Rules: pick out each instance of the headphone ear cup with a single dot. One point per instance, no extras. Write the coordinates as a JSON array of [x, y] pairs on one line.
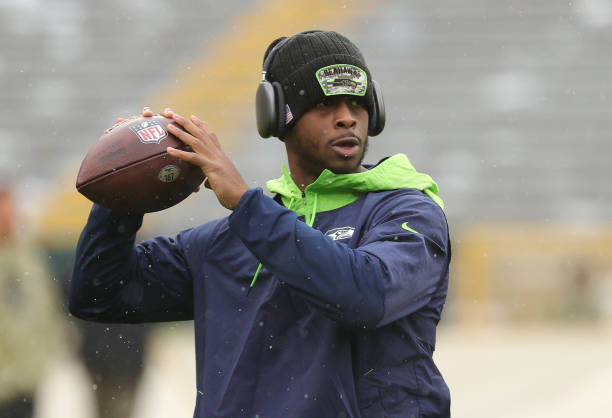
[[378, 117], [266, 110], [279, 95]]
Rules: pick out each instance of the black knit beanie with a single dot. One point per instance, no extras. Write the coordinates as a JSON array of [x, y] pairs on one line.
[[313, 65]]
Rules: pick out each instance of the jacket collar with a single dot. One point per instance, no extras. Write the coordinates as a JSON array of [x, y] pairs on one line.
[[337, 190]]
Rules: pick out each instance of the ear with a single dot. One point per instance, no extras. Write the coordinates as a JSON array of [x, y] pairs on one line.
[[266, 110], [378, 116], [281, 114]]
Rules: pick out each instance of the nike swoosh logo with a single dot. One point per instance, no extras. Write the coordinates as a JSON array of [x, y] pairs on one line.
[[407, 228]]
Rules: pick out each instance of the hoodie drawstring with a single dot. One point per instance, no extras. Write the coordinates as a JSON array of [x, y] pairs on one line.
[[309, 222], [254, 278]]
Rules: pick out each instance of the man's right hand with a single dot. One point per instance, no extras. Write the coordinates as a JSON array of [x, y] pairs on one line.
[[147, 112], [222, 176]]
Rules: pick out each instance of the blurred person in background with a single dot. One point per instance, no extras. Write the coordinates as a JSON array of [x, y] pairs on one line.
[[322, 301], [32, 326], [112, 355]]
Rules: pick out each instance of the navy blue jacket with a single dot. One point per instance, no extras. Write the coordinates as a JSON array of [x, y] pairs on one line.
[[340, 322]]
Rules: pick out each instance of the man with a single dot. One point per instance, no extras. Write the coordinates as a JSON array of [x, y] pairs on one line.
[[320, 302], [32, 329]]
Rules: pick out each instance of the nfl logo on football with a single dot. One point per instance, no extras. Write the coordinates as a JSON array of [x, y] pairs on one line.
[[149, 132]]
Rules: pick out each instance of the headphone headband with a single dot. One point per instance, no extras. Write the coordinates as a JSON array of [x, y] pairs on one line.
[[276, 47]]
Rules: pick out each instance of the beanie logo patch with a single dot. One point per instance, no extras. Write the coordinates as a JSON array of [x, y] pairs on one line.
[[342, 79]]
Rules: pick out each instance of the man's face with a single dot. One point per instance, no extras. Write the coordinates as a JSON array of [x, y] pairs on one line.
[[331, 135]]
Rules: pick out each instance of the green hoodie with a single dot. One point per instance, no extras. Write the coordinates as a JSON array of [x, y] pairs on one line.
[[331, 191]]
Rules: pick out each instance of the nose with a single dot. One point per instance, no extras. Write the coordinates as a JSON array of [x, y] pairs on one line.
[[344, 116]]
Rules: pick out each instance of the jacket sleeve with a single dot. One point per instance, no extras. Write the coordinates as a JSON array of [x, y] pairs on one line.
[[116, 281], [401, 261]]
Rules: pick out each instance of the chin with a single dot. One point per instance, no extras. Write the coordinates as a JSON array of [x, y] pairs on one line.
[[346, 167]]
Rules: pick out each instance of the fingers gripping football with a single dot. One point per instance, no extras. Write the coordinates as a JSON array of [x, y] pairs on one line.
[[223, 176]]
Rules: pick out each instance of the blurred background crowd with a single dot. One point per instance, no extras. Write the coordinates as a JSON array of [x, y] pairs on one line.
[[505, 104]]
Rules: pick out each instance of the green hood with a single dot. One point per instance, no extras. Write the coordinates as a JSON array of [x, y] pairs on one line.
[[331, 191]]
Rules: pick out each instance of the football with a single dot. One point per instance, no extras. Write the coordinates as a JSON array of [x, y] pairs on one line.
[[129, 170]]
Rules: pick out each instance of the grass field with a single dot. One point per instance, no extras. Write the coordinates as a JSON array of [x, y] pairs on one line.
[[536, 371]]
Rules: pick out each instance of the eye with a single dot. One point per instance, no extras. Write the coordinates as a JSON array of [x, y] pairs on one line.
[[325, 102], [358, 102], [352, 102]]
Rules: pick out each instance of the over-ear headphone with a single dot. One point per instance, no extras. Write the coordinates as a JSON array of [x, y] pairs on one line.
[[270, 101]]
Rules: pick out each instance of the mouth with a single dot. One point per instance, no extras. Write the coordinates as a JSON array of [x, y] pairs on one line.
[[346, 147]]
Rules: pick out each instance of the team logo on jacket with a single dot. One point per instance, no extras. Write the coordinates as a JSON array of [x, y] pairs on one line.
[[341, 233], [149, 132]]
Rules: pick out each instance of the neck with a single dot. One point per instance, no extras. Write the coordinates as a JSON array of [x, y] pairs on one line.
[[305, 171], [303, 178]]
